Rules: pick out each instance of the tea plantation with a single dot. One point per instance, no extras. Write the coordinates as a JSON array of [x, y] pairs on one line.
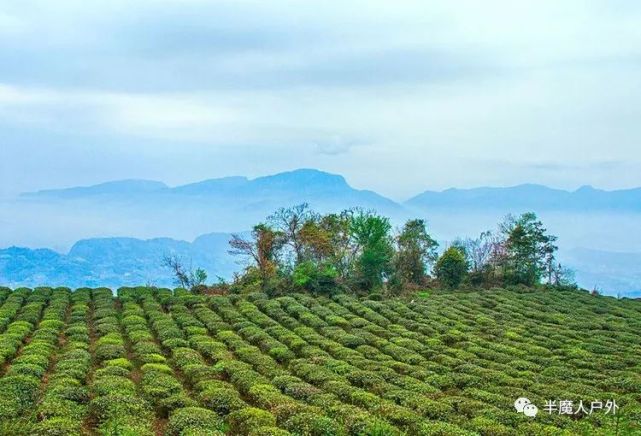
[[153, 361]]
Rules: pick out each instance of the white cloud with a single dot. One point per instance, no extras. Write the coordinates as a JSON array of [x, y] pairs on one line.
[[420, 91]]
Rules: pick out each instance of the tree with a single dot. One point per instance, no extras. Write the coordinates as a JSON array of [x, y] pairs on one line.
[[319, 278], [563, 276], [416, 251], [484, 255], [451, 268], [328, 240], [262, 249], [184, 277], [373, 245], [290, 222], [530, 250]]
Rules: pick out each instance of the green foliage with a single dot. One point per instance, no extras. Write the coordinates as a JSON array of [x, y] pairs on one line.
[[371, 234], [416, 251], [356, 251], [451, 268], [247, 419], [317, 278], [452, 363], [58, 426], [530, 250], [223, 400], [194, 420], [17, 393]]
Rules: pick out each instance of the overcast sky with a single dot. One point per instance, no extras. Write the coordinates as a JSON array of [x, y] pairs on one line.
[[398, 96]]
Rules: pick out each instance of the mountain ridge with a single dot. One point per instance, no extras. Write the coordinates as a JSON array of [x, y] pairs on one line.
[[534, 196], [295, 184]]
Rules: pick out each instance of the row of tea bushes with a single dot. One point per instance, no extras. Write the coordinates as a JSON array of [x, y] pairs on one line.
[[116, 406], [19, 388], [64, 407]]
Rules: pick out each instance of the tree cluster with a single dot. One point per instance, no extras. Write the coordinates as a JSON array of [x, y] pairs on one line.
[[354, 249], [359, 251], [520, 252]]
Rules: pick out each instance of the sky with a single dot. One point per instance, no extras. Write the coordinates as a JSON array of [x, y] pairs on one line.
[[397, 96]]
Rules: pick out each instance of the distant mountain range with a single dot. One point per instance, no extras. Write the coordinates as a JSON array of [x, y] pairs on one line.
[[158, 219], [531, 197], [331, 190], [323, 189], [115, 262]]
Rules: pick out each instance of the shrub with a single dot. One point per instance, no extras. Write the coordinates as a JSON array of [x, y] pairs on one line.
[[109, 385], [72, 369], [69, 389], [17, 393], [488, 427], [152, 358], [57, 407], [184, 356], [173, 402], [175, 343], [146, 347], [115, 371], [437, 428], [313, 424], [193, 419], [244, 420], [281, 354], [120, 362], [58, 426], [110, 351], [371, 426], [108, 406], [222, 400], [34, 359], [159, 385], [27, 369], [269, 431], [200, 371], [123, 427], [156, 367]]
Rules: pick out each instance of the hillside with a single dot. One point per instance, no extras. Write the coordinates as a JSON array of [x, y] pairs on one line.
[[446, 364]]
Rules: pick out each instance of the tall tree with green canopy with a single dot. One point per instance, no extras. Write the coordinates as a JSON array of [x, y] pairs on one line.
[[416, 251], [327, 251], [451, 268], [530, 250], [372, 241]]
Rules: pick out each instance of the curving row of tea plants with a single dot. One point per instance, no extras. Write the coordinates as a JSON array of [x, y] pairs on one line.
[[153, 361]]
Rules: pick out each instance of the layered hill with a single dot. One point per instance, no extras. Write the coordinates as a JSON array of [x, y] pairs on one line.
[[116, 262], [126, 226]]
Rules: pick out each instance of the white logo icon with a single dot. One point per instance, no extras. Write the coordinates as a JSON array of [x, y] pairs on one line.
[[525, 406], [530, 410]]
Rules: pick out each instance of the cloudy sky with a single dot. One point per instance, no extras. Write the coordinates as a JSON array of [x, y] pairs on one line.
[[397, 96]]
